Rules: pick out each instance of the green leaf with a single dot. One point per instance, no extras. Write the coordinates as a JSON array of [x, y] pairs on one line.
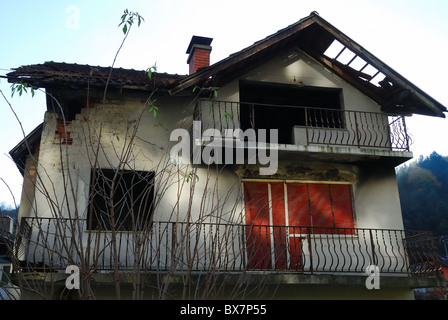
[[125, 28], [21, 88], [150, 70], [191, 175], [154, 109]]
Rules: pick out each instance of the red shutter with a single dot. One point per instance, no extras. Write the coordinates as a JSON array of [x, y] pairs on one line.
[[299, 220], [342, 207], [257, 220], [322, 206], [278, 220], [298, 207], [321, 213]]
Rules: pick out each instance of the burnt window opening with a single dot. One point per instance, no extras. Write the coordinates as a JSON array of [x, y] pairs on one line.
[[122, 200], [266, 105]]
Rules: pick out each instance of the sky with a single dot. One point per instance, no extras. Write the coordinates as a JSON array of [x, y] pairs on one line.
[[411, 36]]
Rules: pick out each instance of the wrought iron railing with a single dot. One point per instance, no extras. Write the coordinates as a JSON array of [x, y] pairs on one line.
[[315, 126], [226, 247]]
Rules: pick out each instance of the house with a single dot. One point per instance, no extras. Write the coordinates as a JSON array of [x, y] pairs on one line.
[[270, 174], [7, 290]]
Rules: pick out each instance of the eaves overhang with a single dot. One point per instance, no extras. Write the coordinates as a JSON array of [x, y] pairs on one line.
[[28, 146], [61, 74]]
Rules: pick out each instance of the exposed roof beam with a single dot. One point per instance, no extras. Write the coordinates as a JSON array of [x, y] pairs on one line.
[[363, 87], [385, 69]]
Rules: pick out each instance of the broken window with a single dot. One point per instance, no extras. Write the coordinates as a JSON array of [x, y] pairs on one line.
[[122, 200], [266, 105]]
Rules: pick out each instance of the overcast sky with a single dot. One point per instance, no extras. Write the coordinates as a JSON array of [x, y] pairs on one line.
[[410, 36]]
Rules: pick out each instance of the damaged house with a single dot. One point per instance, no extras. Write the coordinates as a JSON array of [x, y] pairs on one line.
[[103, 192]]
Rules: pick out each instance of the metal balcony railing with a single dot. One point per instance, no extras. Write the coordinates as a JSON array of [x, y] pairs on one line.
[[208, 247], [313, 126]]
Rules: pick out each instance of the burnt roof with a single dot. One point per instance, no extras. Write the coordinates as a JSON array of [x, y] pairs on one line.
[[61, 73], [314, 35]]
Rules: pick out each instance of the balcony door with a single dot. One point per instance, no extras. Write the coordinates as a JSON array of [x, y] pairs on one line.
[[280, 216]]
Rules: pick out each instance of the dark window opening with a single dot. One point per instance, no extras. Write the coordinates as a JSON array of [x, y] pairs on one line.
[[266, 105], [122, 200]]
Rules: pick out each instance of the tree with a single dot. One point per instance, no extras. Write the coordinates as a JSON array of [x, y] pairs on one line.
[[119, 220], [423, 186]]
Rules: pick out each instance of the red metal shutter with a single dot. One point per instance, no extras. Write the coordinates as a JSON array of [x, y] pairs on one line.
[[257, 230], [278, 221], [298, 207], [321, 211], [342, 207], [299, 220]]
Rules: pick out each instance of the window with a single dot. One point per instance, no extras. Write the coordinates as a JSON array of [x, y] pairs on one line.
[[318, 205], [121, 200], [266, 105], [278, 214]]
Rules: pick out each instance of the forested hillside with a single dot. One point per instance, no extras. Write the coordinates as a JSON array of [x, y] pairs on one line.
[[423, 188], [6, 210]]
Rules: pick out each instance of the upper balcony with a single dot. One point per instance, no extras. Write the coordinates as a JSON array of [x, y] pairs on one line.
[[352, 135]]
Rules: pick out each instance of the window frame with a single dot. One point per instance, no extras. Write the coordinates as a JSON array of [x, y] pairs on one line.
[[312, 225], [132, 198]]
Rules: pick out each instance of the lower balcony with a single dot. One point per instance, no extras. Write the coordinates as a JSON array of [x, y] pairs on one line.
[[300, 253]]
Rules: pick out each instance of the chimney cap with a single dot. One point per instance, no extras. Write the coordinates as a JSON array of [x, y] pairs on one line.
[[197, 40]]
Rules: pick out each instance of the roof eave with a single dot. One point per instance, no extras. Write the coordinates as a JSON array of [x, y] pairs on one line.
[[26, 147], [204, 74], [427, 105]]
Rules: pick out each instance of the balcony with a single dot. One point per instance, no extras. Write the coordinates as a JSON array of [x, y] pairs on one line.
[[312, 130], [49, 245]]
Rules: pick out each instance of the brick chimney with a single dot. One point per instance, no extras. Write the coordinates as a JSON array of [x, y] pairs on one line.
[[199, 53]]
